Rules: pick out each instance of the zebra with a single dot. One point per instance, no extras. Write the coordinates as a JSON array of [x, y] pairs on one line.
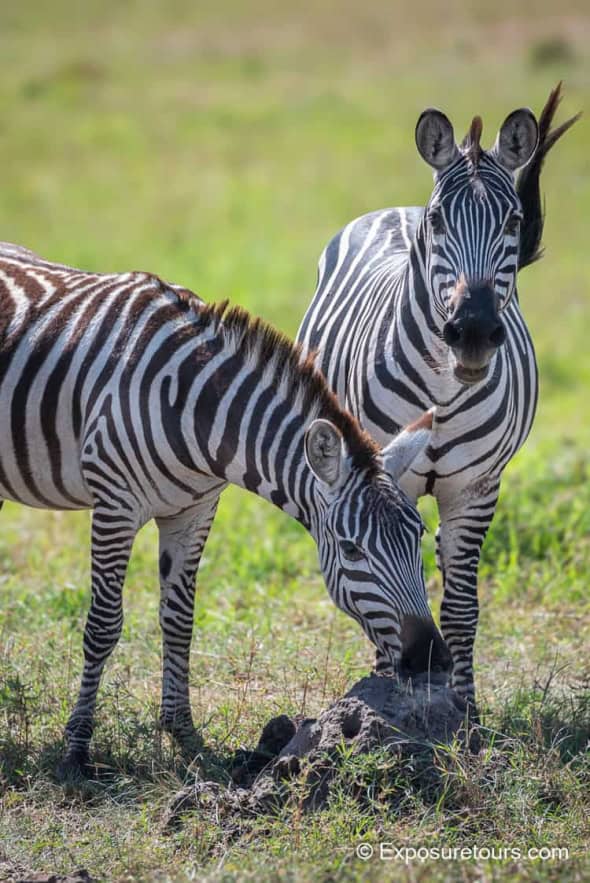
[[416, 307], [131, 397]]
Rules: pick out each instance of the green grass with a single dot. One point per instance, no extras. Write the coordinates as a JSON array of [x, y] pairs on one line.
[[221, 145]]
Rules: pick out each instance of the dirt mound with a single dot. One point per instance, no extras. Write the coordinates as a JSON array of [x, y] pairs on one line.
[[376, 713]]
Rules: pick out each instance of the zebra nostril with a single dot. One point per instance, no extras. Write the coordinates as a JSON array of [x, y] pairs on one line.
[[498, 335], [451, 334]]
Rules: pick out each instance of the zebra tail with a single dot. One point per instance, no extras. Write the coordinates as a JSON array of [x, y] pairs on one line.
[[528, 185]]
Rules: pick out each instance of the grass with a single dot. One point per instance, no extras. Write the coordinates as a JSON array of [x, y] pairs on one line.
[[221, 145]]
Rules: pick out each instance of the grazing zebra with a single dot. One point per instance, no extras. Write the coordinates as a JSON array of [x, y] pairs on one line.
[[417, 308], [125, 395]]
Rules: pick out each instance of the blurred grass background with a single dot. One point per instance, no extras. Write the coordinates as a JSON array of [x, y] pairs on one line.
[[221, 144]]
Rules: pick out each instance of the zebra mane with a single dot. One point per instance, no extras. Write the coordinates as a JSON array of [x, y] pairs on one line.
[[470, 145], [271, 347]]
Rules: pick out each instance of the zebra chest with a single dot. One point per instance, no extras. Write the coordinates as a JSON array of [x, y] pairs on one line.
[[462, 454]]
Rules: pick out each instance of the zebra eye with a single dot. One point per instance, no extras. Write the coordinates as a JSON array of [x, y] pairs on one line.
[[512, 224], [437, 222], [351, 551]]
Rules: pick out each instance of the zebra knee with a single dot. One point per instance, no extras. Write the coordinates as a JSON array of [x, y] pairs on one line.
[[460, 637], [100, 638]]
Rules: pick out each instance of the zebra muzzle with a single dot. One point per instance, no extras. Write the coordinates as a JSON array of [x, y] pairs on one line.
[[473, 331], [424, 652], [470, 376]]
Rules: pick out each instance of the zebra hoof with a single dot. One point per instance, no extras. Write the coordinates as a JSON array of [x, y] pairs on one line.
[[474, 740], [186, 737], [467, 704], [75, 766]]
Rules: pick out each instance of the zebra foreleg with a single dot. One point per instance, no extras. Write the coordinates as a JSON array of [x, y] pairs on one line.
[[464, 522], [182, 540], [113, 532]]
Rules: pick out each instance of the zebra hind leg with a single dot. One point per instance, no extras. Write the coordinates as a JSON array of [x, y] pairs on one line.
[[113, 533], [182, 539]]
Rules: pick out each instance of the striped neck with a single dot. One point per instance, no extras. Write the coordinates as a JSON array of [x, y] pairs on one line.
[[418, 286], [259, 395]]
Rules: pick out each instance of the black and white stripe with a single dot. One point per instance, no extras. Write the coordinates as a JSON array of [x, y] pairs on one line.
[[126, 395], [417, 308]]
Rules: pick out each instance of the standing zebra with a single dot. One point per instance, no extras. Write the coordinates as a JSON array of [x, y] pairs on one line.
[[418, 307], [129, 396]]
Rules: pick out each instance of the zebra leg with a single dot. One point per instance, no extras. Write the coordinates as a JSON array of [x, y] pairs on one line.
[[464, 522], [182, 539], [113, 532]]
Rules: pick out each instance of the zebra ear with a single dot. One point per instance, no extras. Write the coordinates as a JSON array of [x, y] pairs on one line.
[[399, 454], [435, 139], [517, 139], [326, 453]]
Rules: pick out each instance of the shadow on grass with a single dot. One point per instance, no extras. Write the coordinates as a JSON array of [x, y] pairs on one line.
[[113, 773]]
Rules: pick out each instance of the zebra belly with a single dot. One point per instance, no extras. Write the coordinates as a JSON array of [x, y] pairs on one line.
[[41, 475], [40, 462]]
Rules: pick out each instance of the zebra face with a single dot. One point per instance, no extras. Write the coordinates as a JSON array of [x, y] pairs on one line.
[[471, 231], [368, 536]]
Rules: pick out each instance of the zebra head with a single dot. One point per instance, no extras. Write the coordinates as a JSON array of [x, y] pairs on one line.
[[471, 233], [368, 535]]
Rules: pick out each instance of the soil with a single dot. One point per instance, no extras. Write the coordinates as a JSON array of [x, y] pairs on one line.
[[406, 720]]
